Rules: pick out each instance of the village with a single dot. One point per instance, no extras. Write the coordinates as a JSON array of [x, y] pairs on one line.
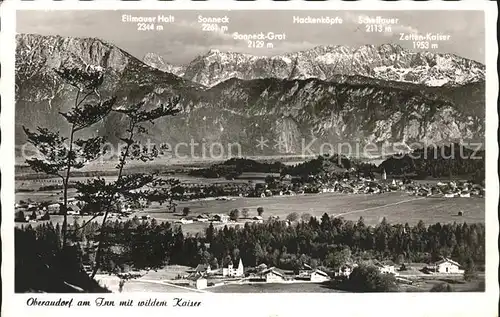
[[282, 186], [205, 278]]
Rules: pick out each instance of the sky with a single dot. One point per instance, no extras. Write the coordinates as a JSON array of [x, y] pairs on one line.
[[183, 40]]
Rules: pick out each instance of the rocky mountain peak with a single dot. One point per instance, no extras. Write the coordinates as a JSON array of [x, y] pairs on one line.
[[54, 51], [157, 61], [386, 61], [329, 92]]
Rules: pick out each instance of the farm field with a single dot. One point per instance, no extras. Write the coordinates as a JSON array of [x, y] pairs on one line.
[[140, 285], [35, 184], [395, 207]]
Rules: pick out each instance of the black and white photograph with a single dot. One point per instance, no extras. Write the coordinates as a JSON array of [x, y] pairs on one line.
[[249, 151]]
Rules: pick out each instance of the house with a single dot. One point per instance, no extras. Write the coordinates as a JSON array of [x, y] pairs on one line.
[[261, 267], [319, 276], [272, 275], [305, 271], [185, 220], [446, 265], [73, 210], [306, 266], [230, 271], [31, 206], [53, 208], [197, 281], [221, 218], [200, 282], [202, 218], [202, 269]]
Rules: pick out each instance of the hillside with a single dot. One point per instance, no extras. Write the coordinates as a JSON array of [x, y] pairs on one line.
[[40, 94], [441, 162], [289, 113]]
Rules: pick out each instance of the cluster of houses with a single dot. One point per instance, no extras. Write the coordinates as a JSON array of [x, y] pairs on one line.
[[264, 274], [287, 186], [442, 266], [447, 189], [276, 275], [384, 267], [199, 277], [35, 211], [198, 191], [369, 186], [217, 218]]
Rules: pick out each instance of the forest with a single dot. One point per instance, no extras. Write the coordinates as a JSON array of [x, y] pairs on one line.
[[234, 167], [327, 243], [438, 162]]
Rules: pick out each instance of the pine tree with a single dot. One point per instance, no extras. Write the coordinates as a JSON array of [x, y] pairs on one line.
[[210, 233], [136, 189], [57, 158]]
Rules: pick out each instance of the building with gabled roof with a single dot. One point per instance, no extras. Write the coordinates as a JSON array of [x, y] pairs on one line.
[[446, 265], [273, 275], [230, 271], [319, 276], [202, 270]]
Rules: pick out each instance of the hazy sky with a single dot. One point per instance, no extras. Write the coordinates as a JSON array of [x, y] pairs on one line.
[[181, 41]]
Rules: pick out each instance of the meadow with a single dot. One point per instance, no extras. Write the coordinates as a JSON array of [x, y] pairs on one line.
[[396, 207]]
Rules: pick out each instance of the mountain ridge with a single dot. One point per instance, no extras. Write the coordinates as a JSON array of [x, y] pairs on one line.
[[386, 61], [341, 109]]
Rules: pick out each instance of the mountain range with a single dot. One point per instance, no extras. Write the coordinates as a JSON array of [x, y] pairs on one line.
[[386, 62], [236, 98]]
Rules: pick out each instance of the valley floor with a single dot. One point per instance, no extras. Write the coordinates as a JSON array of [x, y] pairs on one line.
[[395, 207]]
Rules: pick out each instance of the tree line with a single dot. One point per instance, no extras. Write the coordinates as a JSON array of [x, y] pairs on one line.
[[327, 242], [438, 162], [234, 167]]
